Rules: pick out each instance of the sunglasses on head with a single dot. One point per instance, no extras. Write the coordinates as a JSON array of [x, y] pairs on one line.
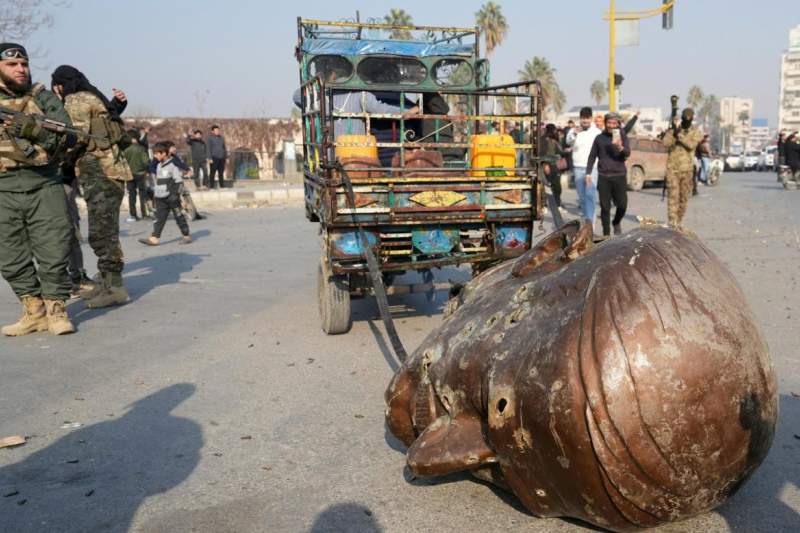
[[13, 53]]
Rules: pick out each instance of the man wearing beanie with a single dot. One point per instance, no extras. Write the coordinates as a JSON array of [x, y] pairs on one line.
[[35, 227]]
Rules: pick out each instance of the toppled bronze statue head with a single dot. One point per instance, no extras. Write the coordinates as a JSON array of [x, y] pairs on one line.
[[624, 384]]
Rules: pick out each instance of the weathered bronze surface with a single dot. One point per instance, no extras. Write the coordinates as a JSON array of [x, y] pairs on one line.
[[624, 384]]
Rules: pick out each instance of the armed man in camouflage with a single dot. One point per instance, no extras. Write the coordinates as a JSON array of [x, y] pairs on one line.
[[103, 173], [34, 225], [681, 141]]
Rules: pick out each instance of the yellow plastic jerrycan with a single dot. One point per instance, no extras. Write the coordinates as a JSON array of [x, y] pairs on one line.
[[493, 151], [357, 146]]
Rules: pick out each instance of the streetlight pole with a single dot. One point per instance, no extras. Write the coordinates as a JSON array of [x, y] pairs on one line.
[[666, 10], [612, 47]]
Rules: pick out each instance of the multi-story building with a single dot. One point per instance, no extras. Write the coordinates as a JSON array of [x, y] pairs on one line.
[[789, 111], [760, 134], [735, 115]]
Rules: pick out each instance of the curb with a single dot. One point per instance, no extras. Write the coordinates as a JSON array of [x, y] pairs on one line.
[[235, 198]]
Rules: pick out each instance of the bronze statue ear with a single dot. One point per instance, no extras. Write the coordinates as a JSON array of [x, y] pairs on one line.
[[567, 243], [450, 445], [399, 407]]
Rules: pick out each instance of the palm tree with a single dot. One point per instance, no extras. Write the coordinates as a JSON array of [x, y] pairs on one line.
[[744, 116], [708, 113], [598, 91], [695, 96], [398, 17], [492, 24], [539, 68], [708, 110]]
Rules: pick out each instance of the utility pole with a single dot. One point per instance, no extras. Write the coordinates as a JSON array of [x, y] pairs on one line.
[[665, 10], [612, 49]]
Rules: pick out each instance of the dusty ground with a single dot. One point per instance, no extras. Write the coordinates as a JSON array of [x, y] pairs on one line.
[[213, 402]]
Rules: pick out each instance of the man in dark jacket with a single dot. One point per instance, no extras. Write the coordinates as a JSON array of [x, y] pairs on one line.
[[611, 149], [199, 154], [217, 152], [139, 161], [791, 150]]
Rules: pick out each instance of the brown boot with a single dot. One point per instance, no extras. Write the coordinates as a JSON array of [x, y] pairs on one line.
[[91, 287], [112, 293], [33, 319], [57, 319]]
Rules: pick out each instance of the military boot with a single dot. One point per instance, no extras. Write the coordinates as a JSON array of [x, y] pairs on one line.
[[57, 319], [91, 287], [112, 292], [33, 319]]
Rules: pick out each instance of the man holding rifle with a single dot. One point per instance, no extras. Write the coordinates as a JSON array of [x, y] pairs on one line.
[[34, 224], [681, 141]]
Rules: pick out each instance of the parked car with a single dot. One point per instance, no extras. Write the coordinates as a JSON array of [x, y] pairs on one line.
[[733, 162], [770, 157], [647, 162], [750, 160]]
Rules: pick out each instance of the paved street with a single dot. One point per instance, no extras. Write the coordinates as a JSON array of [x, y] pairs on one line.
[[213, 402]]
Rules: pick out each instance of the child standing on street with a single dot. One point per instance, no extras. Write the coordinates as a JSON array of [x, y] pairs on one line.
[[167, 183]]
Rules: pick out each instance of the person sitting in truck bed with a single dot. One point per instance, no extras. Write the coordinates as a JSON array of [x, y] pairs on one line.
[[354, 102]]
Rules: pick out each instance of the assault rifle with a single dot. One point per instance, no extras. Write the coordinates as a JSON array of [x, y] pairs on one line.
[[6, 113]]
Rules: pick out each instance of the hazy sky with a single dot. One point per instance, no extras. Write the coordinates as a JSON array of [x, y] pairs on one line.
[[240, 51]]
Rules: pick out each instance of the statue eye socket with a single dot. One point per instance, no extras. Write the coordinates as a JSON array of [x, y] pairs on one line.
[[501, 405]]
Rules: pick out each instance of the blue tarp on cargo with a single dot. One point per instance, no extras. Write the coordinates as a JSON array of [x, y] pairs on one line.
[[352, 47]]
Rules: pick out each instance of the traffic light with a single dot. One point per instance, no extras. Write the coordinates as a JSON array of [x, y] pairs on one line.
[[666, 16], [618, 79]]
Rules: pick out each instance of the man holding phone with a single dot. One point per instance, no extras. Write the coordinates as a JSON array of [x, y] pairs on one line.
[[610, 150]]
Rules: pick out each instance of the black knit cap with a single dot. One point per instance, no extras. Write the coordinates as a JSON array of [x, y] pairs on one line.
[[8, 49]]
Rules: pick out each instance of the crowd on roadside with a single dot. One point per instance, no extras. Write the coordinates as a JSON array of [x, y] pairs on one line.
[[144, 165], [594, 152]]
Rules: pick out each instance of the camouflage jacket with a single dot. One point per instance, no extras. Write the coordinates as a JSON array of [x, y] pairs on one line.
[[25, 178], [82, 108], [681, 154]]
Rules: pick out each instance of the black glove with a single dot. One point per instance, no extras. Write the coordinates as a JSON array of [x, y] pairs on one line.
[[25, 127]]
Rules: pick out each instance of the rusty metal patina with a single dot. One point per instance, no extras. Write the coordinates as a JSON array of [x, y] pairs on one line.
[[625, 384]]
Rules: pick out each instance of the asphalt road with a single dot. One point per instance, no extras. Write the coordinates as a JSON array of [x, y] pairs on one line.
[[213, 402]]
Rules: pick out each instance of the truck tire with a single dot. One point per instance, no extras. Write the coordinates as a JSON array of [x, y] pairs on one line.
[[333, 293], [636, 179]]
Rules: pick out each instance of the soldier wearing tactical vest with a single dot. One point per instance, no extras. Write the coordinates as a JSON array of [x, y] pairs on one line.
[[681, 141], [102, 172], [34, 224]]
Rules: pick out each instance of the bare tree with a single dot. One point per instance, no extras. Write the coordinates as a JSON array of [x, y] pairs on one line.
[[19, 19], [200, 98]]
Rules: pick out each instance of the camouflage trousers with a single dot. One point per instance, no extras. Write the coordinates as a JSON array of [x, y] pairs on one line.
[[103, 199], [679, 185]]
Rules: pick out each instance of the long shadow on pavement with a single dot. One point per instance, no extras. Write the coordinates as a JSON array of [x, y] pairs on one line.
[[351, 517], [97, 477], [145, 275]]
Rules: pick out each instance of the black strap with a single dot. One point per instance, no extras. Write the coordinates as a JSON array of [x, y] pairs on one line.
[[374, 272]]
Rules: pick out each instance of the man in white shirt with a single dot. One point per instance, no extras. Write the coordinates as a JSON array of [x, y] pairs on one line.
[[581, 140]]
